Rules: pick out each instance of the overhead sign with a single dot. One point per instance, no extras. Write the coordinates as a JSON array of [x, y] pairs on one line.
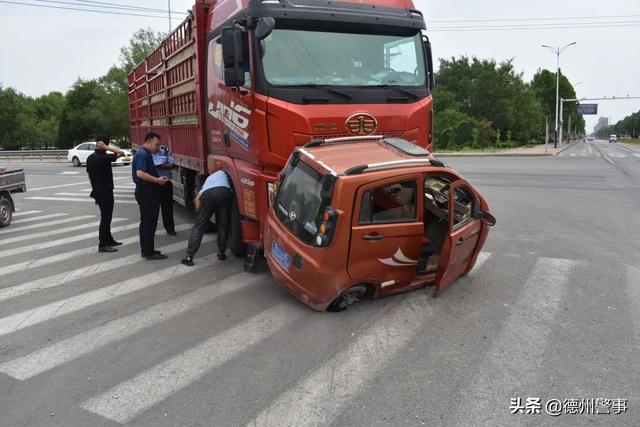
[[587, 109]]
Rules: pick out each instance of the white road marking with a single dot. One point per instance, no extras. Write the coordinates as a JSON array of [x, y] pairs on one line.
[[68, 185], [88, 190], [64, 230], [519, 348], [573, 154], [65, 306], [633, 290], [46, 224], [166, 378], [46, 245], [482, 258], [319, 397], [116, 195], [69, 173], [590, 148], [37, 218], [49, 357], [69, 199], [21, 213], [83, 272], [39, 262]]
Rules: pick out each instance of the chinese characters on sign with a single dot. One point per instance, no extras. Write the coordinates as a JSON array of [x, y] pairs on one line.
[[557, 407]]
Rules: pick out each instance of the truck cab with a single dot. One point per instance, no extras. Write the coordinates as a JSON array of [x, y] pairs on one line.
[[371, 216], [239, 85]]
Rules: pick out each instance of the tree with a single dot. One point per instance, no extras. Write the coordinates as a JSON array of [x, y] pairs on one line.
[[80, 119], [493, 95], [48, 110], [544, 87], [141, 44]]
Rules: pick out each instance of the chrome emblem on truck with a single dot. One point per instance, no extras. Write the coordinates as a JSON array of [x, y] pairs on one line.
[[361, 124], [292, 216]]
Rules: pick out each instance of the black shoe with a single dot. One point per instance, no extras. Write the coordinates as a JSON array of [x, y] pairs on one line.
[[172, 232], [156, 256], [188, 261], [222, 256], [114, 243], [106, 249], [157, 252]]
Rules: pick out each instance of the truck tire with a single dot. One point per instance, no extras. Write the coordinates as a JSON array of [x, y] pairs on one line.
[[236, 245], [76, 162], [6, 213]]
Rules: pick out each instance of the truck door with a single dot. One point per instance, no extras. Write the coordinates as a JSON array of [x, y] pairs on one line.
[[230, 108], [386, 233], [462, 240]]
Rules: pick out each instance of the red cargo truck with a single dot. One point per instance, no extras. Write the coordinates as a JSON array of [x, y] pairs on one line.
[[240, 83]]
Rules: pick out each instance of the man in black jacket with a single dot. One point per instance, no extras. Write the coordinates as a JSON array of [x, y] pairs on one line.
[[101, 177]]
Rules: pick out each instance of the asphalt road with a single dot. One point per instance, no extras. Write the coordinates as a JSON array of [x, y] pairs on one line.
[[553, 312]]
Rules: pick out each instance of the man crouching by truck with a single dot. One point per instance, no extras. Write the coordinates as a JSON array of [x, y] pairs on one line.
[[215, 196]]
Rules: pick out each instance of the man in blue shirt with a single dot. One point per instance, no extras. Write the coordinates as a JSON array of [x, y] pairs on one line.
[[215, 196], [164, 163], [148, 183]]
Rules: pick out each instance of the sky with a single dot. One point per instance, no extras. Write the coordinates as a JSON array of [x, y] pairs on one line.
[[43, 50]]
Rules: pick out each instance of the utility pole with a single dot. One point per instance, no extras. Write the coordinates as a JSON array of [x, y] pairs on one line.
[[546, 133], [569, 131], [169, 10], [557, 51]]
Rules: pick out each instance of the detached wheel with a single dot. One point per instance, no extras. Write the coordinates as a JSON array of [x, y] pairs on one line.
[[236, 245], [348, 298], [5, 212], [76, 162]]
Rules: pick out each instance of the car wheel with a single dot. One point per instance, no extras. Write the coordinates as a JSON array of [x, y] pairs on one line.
[[5, 212], [76, 162], [347, 298]]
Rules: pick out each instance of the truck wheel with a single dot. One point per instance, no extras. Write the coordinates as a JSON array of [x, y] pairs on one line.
[[5, 212], [347, 298], [76, 162], [236, 245]]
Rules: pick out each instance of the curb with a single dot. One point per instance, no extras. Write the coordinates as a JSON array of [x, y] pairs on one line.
[[503, 154]]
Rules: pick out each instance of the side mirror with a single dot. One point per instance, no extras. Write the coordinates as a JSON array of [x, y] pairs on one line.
[[265, 27], [232, 56], [488, 219]]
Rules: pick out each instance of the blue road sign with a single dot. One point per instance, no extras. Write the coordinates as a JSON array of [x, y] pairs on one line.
[[587, 109]]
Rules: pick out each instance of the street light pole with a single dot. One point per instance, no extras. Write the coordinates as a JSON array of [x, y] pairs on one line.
[[557, 51]]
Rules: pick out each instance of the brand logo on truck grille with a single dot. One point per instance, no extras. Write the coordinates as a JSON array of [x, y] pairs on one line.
[[361, 124]]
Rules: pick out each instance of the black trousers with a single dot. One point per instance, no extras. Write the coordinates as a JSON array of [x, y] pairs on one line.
[[148, 198], [104, 200], [215, 200], [166, 206]]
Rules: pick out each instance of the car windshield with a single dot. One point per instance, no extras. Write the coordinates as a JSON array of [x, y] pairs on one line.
[[300, 201], [298, 58]]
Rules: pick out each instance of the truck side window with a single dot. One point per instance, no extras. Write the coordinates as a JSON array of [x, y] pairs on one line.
[[389, 203], [463, 206]]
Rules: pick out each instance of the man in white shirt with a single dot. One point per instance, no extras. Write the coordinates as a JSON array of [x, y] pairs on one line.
[[215, 196]]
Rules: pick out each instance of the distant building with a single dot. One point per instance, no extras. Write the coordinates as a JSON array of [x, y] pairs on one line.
[[602, 123]]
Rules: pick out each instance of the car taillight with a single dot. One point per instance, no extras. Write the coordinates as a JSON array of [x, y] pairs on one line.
[[272, 190], [327, 227]]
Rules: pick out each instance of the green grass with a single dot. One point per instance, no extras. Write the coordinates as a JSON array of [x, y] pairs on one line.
[[631, 141]]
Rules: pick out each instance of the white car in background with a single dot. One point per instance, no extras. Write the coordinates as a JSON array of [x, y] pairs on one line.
[[79, 154]]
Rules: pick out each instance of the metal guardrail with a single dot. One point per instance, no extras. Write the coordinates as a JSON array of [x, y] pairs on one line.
[[34, 154]]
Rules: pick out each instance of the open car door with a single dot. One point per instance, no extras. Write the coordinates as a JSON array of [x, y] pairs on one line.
[[462, 239]]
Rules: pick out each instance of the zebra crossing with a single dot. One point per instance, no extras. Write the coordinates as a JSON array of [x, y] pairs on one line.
[[599, 150], [123, 194], [319, 393]]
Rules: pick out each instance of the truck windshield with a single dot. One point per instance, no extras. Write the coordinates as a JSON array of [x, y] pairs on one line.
[[297, 58], [301, 200]]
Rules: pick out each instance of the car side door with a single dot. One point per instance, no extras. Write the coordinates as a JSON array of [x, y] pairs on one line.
[[461, 243], [386, 233]]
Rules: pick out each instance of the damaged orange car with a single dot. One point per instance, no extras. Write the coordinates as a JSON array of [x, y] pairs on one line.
[[368, 217]]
